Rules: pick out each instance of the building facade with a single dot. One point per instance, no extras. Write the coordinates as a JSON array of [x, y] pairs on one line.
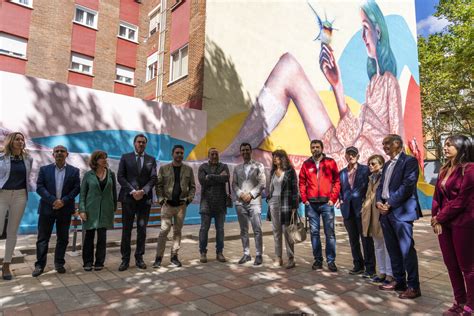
[[149, 49]]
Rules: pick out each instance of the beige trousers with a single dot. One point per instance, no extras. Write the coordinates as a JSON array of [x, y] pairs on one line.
[[12, 202], [169, 214]]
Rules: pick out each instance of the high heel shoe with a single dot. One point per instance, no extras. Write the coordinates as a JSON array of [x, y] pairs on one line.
[[6, 273]]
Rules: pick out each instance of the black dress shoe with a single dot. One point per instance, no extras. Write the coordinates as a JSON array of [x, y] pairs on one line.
[[175, 262], [123, 266], [317, 265], [332, 267], [37, 272], [244, 259], [157, 263], [140, 265], [258, 261], [61, 270]]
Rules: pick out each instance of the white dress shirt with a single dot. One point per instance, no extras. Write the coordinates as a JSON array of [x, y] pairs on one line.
[[388, 176]]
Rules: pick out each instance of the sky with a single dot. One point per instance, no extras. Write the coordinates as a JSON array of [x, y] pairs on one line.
[[425, 21]]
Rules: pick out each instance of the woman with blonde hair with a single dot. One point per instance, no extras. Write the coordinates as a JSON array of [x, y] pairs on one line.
[[15, 168], [371, 221], [97, 205]]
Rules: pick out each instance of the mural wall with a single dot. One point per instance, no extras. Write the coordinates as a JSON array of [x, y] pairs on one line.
[[51, 113], [279, 75]]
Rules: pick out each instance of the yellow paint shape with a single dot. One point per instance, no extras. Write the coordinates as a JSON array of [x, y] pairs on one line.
[[290, 134]]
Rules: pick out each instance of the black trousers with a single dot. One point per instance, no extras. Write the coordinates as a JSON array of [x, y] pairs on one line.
[[45, 228], [100, 248], [353, 226], [130, 210]]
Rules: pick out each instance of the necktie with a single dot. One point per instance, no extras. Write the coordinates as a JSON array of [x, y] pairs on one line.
[[139, 163]]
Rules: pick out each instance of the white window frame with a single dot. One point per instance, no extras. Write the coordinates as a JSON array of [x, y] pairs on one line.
[[14, 46], [154, 24], [151, 72], [81, 62], [128, 27], [181, 73], [28, 4], [86, 11], [123, 73]]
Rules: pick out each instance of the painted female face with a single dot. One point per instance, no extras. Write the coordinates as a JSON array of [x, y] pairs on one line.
[[18, 142], [369, 35], [374, 166], [449, 150]]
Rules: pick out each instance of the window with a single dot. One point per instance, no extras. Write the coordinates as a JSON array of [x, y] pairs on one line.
[[128, 31], [86, 17], [81, 63], [124, 74], [179, 64], [154, 21], [28, 3], [12, 45], [151, 66]]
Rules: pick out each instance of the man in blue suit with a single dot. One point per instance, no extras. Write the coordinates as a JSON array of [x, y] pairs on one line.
[[58, 185], [354, 181], [398, 204]]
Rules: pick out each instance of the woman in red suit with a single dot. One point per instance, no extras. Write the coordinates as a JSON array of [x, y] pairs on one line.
[[453, 220]]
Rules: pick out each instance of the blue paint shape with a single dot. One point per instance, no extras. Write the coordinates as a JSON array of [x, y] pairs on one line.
[[115, 143], [353, 61]]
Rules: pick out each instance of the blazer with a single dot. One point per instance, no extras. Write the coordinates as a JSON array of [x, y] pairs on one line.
[[370, 214], [46, 188], [213, 188], [254, 183], [403, 198], [454, 204], [129, 179], [5, 165], [355, 196], [289, 198], [165, 183], [98, 205]]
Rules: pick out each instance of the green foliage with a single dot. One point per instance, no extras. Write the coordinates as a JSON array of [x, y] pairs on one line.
[[446, 73]]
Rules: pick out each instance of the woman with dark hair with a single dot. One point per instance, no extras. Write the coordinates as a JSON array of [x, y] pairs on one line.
[[97, 205], [283, 203], [15, 168], [453, 220], [371, 221]]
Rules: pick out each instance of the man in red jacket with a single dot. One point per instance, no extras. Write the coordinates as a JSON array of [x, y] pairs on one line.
[[319, 189]]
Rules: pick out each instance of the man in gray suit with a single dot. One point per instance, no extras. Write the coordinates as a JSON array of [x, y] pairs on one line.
[[247, 183]]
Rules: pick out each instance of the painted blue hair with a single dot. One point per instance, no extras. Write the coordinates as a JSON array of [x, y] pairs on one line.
[[385, 55]]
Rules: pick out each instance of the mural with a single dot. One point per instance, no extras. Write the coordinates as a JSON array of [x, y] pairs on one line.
[[51, 113], [345, 72]]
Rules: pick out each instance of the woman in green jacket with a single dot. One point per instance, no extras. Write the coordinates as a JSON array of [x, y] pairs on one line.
[[97, 205]]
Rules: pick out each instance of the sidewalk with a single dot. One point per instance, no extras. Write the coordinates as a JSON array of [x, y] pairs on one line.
[[219, 288]]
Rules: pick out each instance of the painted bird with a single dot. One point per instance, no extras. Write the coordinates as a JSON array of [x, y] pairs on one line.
[[325, 27]]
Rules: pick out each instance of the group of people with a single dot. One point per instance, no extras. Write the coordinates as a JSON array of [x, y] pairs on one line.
[[378, 202]]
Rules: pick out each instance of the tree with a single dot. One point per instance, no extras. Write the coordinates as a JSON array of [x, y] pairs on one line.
[[446, 73]]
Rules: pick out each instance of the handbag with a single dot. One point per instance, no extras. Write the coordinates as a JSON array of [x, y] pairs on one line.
[[228, 199], [296, 229]]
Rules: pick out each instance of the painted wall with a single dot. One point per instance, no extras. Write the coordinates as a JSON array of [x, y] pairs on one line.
[[52, 113], [264, 81]]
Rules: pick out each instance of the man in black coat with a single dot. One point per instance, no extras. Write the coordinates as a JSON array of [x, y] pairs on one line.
[[137, 177], [58, 185]]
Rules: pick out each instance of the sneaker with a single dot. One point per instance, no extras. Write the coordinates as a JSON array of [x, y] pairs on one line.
[[332, 267], [467, 311], [88, 267], [203, 258], [377, 279], [317, 265], [220, 257], [157, 263], [356, 271], [367, 275], [175, 262], [98, 267]]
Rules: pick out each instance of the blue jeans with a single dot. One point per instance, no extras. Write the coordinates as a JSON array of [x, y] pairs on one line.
[[219, 218], [314, 211]]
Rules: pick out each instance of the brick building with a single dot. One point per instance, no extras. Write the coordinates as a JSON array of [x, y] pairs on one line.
[[150, 49]]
